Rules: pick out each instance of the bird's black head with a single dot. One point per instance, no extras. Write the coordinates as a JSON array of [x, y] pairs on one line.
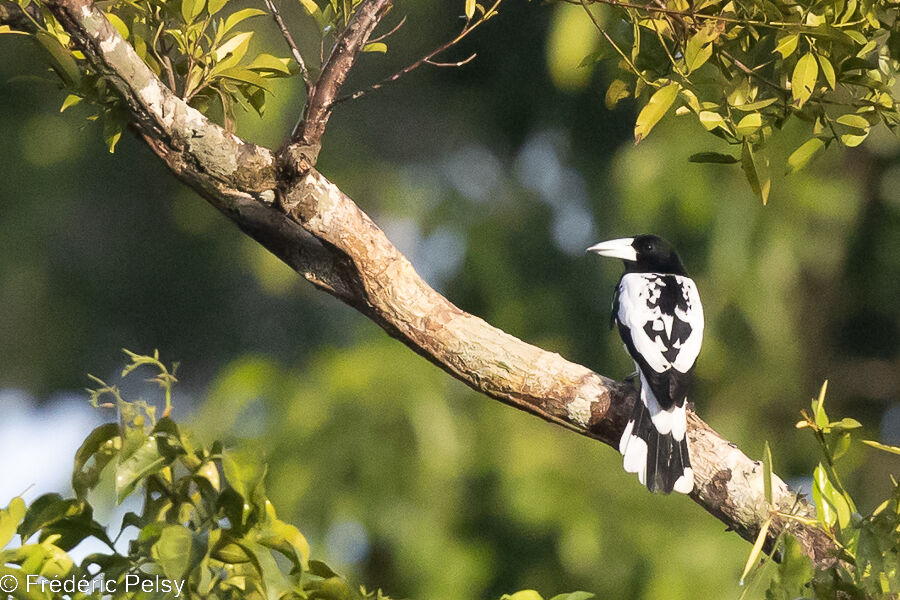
[[642, 254]]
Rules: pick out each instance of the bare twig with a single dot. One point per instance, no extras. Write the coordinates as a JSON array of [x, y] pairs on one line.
[[286, 34], [427, 59], [612, 42], [389, 33], [458, 63]]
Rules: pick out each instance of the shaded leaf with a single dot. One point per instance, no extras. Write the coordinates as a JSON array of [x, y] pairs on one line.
[[618, 90], [713, 157]]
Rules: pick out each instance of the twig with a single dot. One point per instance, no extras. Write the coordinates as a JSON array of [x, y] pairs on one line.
[[752, 72], [613, 43], [304, 72], [458, 63], [352, 39], [714, 17], [391, 32], [427, 59]]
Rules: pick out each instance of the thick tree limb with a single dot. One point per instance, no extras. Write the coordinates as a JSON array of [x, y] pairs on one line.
[[307, 222]]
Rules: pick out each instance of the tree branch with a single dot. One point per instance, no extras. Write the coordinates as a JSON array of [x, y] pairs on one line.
[[307, 222], [351, 40]]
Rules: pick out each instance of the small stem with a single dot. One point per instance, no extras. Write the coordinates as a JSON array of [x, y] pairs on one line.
[[613, 43], [427, 59], [270, 4]]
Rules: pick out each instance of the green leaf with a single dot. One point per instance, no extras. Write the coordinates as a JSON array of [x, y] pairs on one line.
[[767, 474], [656, 108], [827, 71], [243, 75], [758, 184], [112, 133], [711, 120], [880, 446], [757, 549], [831, 506], [749, 124], [470, 9], [845, 424], [574, 596], [231, 52], [803, 80], [143, 461], [101, 445], [523, 595], [119, 24], [286, 539], [818, 407], [787, 45], [63, 62], [239, 16], [618, 90], [320, 569], [71, 100], [214, 6], [269, 63], [697, 50], [375, 47], [754, 106], [713, 157], [800, 157], [10, 519], [191, 9], [178, 551]]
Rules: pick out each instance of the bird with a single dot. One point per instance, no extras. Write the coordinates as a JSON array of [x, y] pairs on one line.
[[660, 319]]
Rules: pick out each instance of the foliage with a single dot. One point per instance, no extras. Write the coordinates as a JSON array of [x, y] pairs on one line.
[[744, 68], [192, 45], [206, 528], [869, 560]]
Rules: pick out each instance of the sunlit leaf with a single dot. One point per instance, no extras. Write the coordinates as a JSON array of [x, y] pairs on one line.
[[618, 90], [659, 104], [803, 79], [787, 45], [470, 8], [756, 550], [884, 447], [800, 157], [767, 474], [239, 16]]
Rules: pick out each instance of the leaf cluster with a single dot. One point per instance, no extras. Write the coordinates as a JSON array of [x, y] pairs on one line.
[[195, 46], [205, 519], [869, 545], [744, 68]]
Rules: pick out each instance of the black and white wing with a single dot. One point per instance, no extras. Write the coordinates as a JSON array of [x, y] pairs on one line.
[[660, 319]]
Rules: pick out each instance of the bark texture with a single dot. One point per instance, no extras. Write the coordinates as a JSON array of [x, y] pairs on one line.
[[284, 203]]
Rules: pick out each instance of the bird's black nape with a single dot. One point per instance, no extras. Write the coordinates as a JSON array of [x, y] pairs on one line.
[[654, 255]]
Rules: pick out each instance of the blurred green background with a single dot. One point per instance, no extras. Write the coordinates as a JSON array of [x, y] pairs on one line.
[[492, 178]]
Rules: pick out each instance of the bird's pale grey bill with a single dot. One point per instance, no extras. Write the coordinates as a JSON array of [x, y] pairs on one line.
[[620, 248]]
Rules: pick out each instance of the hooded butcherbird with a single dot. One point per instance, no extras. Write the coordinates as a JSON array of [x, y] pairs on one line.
[[660, 319]]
